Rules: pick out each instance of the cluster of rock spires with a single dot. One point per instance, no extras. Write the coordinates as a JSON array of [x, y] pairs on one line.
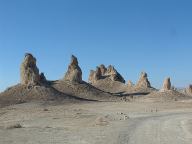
[[30, 75], [102, 72], [29, 72]]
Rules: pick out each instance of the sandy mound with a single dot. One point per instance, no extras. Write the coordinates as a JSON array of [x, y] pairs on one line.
[[169, 95], [21, 93], [83, 90], [109, 85]]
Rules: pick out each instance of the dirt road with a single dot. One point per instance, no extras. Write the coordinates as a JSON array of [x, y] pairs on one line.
[[97, 123]]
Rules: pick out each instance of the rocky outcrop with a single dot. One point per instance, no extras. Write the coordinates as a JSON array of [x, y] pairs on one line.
[[103, 69], [95, 75], [143, 81], [166, 84], [113, 74], [189, 89], [74, 73], [130, 84], [102, 72], [42, 77], [29, 72]]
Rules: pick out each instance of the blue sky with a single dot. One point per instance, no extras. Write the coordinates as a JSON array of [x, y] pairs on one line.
[[152, 35]]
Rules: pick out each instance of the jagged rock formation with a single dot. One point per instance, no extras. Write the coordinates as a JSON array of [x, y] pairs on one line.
[[29, 71], [102, 72], [166, 84], [103, 69], [74, 73], [95, 75], [130, 84], [34, 86], [114, 75], [143, 81]]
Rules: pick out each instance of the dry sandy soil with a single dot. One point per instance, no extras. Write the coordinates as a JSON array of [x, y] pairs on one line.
[[97, 123]]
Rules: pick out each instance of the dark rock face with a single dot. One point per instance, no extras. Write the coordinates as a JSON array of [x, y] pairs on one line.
[[29, 72], [143, 81], [166, 84], [102, 72], [42, 77], [103, 69], [74, 73]]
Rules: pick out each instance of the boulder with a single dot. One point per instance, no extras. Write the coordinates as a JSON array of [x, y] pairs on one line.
[[74, 73], [143, 81], [166, 84], [29, 72]]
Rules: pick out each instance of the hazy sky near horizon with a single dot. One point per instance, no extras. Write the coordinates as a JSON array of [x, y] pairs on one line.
[[133, 35]]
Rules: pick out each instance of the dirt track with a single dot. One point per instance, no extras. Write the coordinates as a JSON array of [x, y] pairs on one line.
[[97, 123]]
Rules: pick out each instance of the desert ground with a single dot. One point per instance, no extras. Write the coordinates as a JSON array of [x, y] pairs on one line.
[[97, 123]]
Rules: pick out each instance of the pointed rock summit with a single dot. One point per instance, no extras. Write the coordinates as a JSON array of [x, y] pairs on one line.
[[95, 75], [102, 72], [74, 73], [166, 84], [130, 84], [103, 69], [143, 81], [113, 74], [29, 72]]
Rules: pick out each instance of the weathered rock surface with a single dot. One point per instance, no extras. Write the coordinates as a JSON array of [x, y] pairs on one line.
[[143, 81], [42, 77], [103, 69], [74, 73], [130, 84], [102, 72], [29, 72], [95, 75], [166, 84]]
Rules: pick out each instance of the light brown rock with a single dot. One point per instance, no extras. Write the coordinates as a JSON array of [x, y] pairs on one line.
[[166, 84], [130, 84], [113, 74], [95, 75], [189, 89], [143, 81], [74, 73], [29, 72]]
